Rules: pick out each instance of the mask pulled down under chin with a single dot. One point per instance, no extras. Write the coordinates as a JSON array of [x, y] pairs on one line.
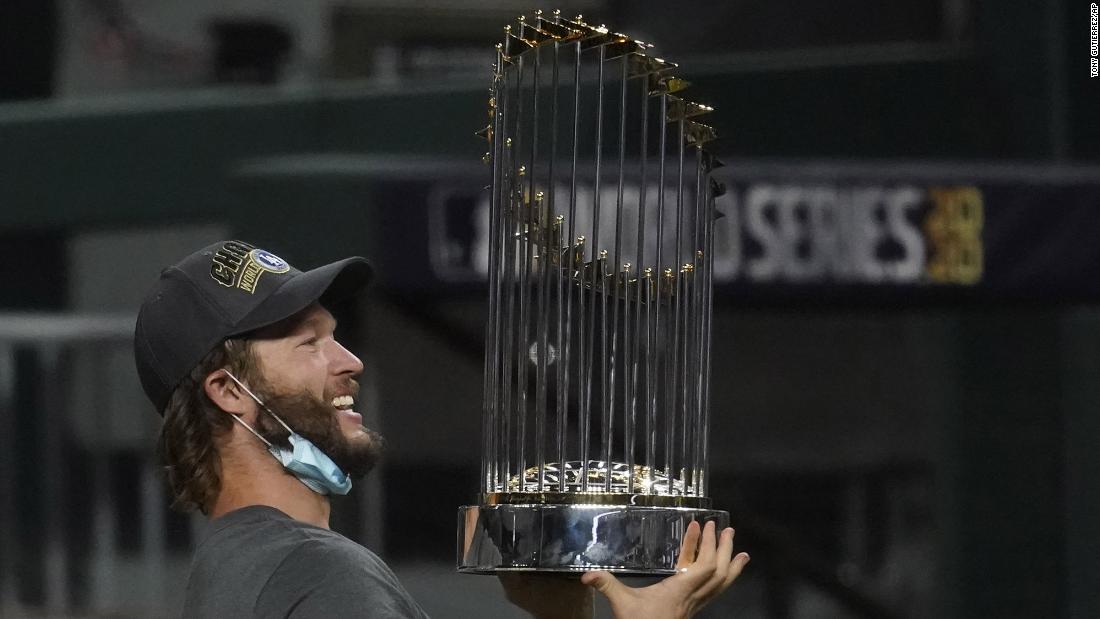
[[311, 466]]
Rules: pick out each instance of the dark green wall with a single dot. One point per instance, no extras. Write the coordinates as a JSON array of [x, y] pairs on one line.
[[170, 158]]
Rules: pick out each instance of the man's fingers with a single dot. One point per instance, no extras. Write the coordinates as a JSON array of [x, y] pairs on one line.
[[725, 553], [706, 571], [738, 564], [725, 545], [696, 574], [689, 546], [707, 545], [719, 566], [604, 582]]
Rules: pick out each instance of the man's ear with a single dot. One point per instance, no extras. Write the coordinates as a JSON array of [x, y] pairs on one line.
[[228, 396]]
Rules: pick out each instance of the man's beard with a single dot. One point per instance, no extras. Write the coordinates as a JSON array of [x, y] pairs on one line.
[[316, 420]]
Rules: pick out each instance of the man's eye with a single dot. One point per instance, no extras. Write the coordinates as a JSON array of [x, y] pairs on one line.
[[310, 342]]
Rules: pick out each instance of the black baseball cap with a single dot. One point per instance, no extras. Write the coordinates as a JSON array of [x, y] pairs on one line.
[[221, 291]]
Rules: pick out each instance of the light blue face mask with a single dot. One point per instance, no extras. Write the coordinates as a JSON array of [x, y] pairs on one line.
[[305, 461]]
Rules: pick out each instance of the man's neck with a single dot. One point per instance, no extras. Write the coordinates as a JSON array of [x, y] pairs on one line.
[[263, 481]]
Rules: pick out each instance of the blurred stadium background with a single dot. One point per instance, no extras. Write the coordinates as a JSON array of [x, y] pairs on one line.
[[907, 319]]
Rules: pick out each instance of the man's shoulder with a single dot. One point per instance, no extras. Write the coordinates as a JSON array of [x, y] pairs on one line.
[[239, 554], [335, 551], [266, 535], [328, 575], [259, 561], [284, 542]]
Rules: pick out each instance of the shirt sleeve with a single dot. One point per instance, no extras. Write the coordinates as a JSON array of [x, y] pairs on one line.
[[319, 580]]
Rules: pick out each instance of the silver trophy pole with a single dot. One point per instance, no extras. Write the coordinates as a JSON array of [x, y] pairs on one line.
[[601, 238]]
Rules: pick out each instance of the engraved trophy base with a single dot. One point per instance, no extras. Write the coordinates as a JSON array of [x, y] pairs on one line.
[[626, 539], [578, 531]]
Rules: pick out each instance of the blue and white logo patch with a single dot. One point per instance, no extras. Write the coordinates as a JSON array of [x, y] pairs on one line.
[[269, 261], [259, 262]]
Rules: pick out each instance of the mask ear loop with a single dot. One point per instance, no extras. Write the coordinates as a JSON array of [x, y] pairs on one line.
[[262, 405], [249, 428]]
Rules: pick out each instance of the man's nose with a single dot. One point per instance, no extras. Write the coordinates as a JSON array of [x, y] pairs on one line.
[[344, 362]]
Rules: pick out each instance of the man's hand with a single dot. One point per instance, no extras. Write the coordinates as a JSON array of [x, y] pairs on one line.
[[703, 572]]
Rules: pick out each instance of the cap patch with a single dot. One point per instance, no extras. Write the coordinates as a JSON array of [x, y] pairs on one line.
[[240, 265]]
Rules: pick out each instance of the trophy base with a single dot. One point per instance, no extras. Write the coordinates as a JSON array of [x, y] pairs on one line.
[[626, 539]]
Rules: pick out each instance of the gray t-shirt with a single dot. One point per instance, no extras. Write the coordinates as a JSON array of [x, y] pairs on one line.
[[259, 562]]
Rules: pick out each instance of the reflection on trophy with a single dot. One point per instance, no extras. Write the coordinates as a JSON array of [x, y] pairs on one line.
[[598, 336]]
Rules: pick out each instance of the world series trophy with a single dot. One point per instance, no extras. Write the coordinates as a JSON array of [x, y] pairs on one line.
[[600, 301]]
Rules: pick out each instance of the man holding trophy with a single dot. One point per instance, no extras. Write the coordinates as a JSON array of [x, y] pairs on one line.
[[236, 349], [259, 431]]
